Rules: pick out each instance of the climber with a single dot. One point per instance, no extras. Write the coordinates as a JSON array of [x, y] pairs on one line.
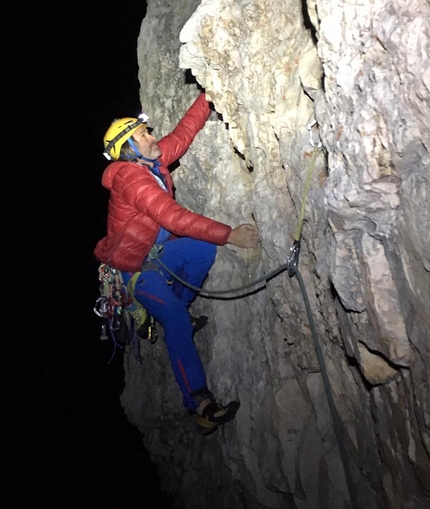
[[142, 213]]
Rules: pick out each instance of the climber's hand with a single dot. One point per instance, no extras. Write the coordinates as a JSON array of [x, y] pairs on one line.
[[245, 235]]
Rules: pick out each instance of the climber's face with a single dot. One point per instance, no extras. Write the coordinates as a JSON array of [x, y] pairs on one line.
[[146, 143]]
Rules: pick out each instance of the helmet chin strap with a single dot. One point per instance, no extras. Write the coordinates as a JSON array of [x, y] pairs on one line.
[[140, 156], [155, 162]]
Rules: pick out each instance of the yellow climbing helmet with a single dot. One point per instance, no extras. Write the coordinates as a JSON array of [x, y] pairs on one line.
[[119, 132]]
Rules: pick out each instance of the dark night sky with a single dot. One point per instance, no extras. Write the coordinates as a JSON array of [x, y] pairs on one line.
[[70, 69]]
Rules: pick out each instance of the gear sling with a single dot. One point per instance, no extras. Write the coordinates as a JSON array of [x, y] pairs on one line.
[[121, 312]]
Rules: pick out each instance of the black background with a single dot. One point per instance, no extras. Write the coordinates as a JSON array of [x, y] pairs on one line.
[[69, 70]]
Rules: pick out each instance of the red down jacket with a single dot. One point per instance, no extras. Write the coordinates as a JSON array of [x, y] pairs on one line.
[[138, 206]]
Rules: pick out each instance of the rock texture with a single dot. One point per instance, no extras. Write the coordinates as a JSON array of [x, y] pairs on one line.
[[361, 70]]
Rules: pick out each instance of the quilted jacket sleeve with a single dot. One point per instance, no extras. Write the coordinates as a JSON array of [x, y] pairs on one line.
[[175, 144], [145, 195]]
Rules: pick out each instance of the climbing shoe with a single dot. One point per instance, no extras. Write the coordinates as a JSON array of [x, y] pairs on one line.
[[198, 322], [214, 415]]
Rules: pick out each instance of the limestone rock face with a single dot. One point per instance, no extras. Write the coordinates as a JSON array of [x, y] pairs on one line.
[[272, 68]]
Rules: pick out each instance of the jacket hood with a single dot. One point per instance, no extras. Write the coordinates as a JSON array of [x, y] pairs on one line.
[[110, 172]]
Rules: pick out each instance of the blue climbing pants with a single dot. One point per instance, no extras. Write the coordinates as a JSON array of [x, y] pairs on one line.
[[167, 301]]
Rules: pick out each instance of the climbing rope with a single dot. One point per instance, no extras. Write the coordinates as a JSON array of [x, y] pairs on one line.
[[294, 271], [292, 267], [311, 168], [153, 255], [292, 261], [337, 421]]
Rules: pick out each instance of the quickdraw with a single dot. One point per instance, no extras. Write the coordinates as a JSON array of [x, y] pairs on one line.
[[112, 301], [313, 126]]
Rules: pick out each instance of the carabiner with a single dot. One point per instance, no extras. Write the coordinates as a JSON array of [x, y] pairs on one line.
[[100, 307], [293, 258], [311, 140]]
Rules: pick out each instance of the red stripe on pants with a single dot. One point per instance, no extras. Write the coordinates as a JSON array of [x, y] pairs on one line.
[[184, 375]]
